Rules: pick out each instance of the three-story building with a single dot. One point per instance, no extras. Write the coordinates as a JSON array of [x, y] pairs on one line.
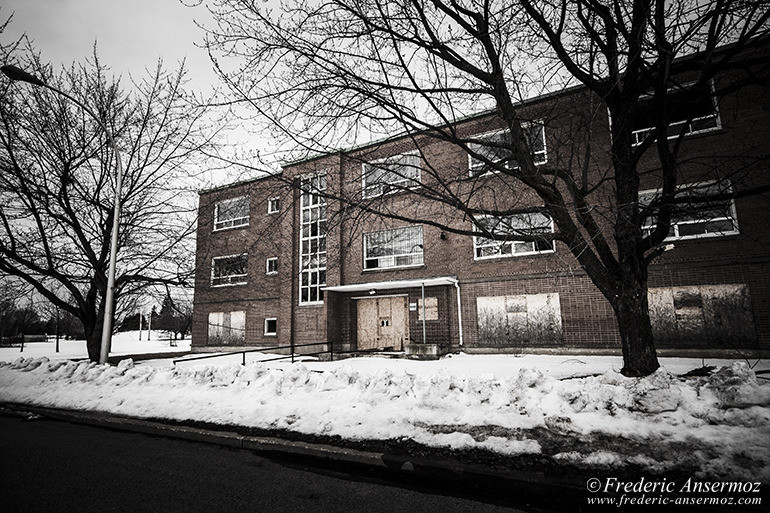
[[285, 260]]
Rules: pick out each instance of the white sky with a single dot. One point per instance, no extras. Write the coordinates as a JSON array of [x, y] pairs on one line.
[[131, 34]]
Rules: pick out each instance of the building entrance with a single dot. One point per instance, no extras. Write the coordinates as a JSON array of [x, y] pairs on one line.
[[383, 322]]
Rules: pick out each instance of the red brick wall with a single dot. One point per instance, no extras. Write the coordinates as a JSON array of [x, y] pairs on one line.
[[587, 318]]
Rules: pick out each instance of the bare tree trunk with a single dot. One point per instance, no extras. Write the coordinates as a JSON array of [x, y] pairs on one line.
[[93, 332], [633, 317]]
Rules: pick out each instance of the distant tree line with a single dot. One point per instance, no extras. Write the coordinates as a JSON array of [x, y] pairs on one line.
[[175, 317]]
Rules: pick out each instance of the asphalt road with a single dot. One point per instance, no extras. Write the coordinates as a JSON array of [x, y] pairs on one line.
[[48, 465]]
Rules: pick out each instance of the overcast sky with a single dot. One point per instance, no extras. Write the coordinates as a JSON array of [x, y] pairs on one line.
[[131, 34]]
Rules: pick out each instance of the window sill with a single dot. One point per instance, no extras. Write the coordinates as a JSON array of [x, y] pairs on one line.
[[227, 228], [518, 255], [397, 192], [311, 304], [270, 334], [685, 238], [229, 285], [692, 135], [393, 268], [272, 274], [474, 172]]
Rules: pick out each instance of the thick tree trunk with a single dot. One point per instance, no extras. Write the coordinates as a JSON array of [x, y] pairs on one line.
[[94, 341], [633, 317], [92, 327]]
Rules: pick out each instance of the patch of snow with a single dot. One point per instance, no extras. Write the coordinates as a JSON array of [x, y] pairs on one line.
[[719, 424], [123, 343]]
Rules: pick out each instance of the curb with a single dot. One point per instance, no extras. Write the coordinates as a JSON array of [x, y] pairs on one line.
[[442, 470]]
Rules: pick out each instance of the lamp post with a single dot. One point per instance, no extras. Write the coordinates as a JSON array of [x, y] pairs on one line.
[[19, 75]]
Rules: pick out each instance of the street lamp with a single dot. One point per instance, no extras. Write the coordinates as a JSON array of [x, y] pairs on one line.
[[19, 75]]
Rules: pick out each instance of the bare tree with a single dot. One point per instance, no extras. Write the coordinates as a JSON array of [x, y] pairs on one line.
[[57, 184], [324, 75]]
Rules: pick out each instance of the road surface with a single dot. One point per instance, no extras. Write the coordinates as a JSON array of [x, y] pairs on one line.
[[48, 466]]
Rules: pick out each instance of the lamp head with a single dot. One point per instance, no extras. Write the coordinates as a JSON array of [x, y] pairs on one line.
[[18, 74]]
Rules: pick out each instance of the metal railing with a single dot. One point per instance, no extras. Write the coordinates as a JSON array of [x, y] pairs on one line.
[[293, 356]]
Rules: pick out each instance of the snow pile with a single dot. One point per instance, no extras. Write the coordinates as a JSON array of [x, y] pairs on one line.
[[718, 425]]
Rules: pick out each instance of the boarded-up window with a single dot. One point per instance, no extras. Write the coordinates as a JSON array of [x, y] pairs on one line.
[[532, 319], [718, 315], [431, 309], [227, 327]]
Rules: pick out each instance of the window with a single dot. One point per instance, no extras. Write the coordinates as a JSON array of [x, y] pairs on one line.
[[693, 214], [497, 149], [271, 265], [431, 309], [231, 213], [511, 227], [271, 326], [400, 247], [702, 316], [519, 321], [391, 174], [226, 327], [229, 270], [273, 205], [312, 240], [688, 111]]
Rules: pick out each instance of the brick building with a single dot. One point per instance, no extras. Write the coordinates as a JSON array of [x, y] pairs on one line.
[[277, 266]]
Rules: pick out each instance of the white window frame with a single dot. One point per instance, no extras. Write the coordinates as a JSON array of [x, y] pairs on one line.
[[236, 222], [271, 333], [472, 168], [231, 282], [273, 205], [267, 265], [498, 243], [638, 136], [402, 182], [648, 227], [394, 257], [314, 201]]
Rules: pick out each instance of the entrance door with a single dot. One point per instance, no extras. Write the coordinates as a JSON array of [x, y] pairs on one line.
[[383, 322]]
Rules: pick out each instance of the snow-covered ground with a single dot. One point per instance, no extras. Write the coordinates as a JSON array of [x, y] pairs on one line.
[[714, 426], [123, 343], [497, 366]]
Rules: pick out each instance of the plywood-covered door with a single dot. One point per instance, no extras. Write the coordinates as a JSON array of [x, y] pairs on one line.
[[382, 322], [367, 325]]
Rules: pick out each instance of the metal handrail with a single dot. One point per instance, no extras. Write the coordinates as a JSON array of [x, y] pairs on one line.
[[255, 350], [330, 351]]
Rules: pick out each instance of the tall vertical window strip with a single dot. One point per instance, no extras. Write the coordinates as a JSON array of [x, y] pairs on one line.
[[312, 246]]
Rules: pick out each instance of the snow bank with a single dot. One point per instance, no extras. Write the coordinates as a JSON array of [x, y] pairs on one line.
[[718, 425]]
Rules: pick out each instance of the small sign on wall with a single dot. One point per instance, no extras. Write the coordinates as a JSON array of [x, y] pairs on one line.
[[412, 307]]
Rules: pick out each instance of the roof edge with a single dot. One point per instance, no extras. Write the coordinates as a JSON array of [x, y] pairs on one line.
[[268, 174], [757, 40]]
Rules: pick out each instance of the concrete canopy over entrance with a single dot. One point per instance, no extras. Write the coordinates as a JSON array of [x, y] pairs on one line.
[[395, 284], [383, 321]]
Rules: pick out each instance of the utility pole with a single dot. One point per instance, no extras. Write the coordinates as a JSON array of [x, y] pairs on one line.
[[57, 329]]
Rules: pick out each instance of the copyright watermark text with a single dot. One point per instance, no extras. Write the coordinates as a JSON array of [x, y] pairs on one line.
[[667, 492]]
